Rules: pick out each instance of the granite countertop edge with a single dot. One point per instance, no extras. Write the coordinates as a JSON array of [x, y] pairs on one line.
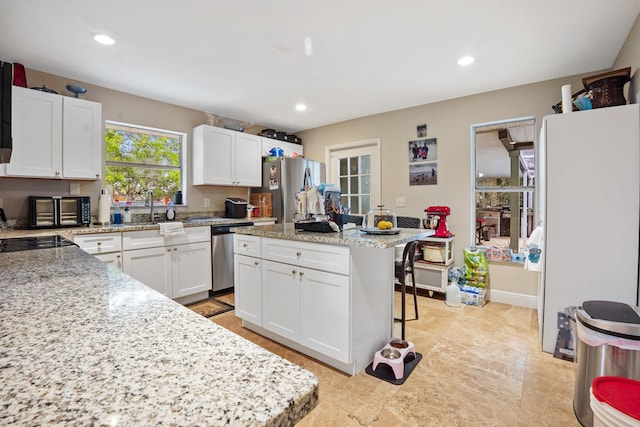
[[117, 228], [85, 344], [351, 237]]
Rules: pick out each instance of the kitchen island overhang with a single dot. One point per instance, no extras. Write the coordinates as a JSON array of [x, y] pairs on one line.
[[365, 319], [84, 344]]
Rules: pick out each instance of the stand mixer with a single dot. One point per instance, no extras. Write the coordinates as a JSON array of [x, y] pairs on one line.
[[442, 212]]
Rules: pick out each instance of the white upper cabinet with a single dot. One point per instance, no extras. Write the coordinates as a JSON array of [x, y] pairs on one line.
[[55, 136], [81, 139], [226, 157], [36, 129]]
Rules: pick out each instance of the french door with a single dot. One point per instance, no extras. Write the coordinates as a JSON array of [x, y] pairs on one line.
[[355, 167]]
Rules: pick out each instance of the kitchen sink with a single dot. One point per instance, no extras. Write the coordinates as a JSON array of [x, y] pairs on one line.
[[199, 220]]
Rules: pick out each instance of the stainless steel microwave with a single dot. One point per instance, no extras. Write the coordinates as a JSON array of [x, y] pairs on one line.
[[58, 211]]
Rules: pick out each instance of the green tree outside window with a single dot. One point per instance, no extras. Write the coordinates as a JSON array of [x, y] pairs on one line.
[[140, 159]]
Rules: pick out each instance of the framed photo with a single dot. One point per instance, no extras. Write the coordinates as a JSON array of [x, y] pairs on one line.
[[422, 131], [422, 150], [423, 173]]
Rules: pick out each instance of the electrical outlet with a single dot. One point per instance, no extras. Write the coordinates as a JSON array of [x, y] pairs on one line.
[[207, 203], [400, 202], [74, 189]]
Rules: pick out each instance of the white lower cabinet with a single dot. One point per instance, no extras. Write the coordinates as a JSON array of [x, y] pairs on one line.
[[248, 297], [176, 266], [114, 259], [281, 299], [175, 271], [107, 247], [307, 306], [151, 266], [191, 268], [290, 298], [324, 302]]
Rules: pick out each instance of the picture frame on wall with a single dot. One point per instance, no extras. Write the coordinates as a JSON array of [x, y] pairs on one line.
[[421, 131], [422, 150], [423, 173]]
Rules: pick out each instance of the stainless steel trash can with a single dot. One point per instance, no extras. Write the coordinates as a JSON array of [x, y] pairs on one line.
[[608, 343]]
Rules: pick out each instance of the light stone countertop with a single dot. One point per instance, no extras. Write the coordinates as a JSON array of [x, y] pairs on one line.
[[114, 228], [351, 237], [84, 344]]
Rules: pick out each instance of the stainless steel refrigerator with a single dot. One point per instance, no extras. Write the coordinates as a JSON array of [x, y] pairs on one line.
[[286, 176]]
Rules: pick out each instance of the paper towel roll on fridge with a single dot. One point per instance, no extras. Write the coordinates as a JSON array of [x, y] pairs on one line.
[[567, 99], [104, 214]]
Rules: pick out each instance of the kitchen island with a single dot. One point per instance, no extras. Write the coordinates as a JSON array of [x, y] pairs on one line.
[[84, 344], [327, 295]]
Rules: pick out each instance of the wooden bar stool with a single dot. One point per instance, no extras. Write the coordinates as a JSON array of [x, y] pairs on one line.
[[403, 268]]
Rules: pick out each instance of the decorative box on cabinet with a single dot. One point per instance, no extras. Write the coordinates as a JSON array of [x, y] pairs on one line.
[[55, 136], [289, 149], [226, 157]]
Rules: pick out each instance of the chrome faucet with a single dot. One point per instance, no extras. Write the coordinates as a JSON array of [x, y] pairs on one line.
[[149, 202]]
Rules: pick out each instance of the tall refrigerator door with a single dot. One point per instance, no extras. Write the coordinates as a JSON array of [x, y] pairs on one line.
[[296, 174], [285, 177], [592, 210]]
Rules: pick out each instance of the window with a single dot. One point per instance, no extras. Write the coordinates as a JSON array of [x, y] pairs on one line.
[[504, 182], [139, 159]]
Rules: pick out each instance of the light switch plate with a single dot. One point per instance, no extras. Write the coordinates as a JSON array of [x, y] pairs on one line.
[[400, 202], [74, 189], [207, 203]]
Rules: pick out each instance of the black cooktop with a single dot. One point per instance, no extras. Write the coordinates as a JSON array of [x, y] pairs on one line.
[[36, 242]]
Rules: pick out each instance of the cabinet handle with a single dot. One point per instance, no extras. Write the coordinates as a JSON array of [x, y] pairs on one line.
[[245, 245], [301, 273], [298, 253], [118, 256], [293, 272], [256, 263], [168, 249], [99, 243]]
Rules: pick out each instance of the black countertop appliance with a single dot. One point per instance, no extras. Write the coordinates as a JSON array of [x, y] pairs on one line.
[[235, 208]]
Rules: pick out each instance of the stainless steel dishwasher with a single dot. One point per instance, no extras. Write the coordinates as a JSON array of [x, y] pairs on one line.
[[222, 255]]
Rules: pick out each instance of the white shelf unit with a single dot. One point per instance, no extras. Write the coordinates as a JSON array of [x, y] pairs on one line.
[[434, 276]]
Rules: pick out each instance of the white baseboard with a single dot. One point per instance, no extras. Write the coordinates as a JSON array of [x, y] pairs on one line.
[[512, 298]]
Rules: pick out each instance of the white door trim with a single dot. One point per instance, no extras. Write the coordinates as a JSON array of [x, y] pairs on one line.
[[373, 145]]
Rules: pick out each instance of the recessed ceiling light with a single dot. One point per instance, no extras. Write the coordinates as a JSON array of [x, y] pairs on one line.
[[301, 107], [466, 60], [103, 39]]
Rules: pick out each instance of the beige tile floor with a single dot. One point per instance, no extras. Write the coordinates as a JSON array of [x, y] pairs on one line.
[[480, 367]]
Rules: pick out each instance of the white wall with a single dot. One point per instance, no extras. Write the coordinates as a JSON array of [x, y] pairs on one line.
[[449, 122]]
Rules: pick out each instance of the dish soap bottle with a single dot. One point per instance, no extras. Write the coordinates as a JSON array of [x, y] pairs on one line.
[[171, 212], [454, 299], [117, 215]]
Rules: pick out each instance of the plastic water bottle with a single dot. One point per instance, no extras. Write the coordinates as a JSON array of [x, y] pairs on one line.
[[454, 299]]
